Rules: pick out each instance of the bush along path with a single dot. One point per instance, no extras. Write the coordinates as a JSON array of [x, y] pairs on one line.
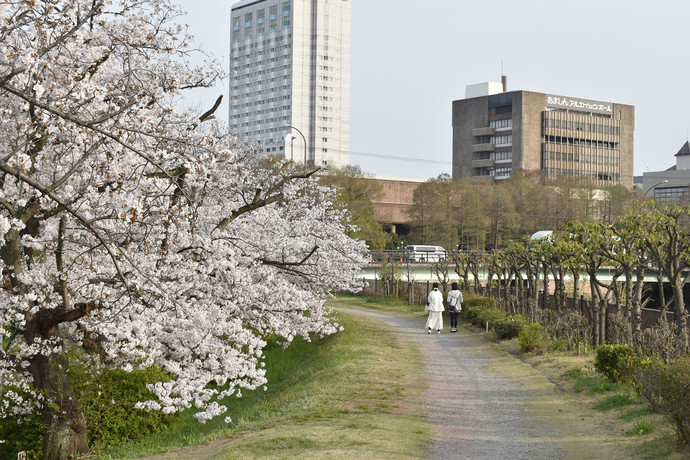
[[485, 403]]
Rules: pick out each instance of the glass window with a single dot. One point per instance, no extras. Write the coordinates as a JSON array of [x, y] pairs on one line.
[[501, 156], [248, 20], [236, 23], [498, 124], [286, 9], [260, 17], [500, 140]]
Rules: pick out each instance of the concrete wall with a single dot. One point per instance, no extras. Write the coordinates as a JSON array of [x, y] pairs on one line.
[[467, 114]]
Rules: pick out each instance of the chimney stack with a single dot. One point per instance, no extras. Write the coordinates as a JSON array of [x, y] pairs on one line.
[[504, 80]]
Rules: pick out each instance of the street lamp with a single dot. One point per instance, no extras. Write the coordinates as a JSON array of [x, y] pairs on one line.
[[654, 186], [292, 145], [305, 142]]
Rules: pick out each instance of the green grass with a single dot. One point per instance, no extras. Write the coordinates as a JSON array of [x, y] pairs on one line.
[[323, 396], [589, 382], [616, 401], [642, 427], [635, 413]]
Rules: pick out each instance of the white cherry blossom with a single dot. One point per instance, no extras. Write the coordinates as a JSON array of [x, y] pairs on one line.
[[145, 235]]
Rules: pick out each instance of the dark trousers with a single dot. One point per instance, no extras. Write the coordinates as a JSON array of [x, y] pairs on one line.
[[454, 319]]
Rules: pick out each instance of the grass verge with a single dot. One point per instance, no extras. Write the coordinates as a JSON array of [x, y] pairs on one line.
[[351, 395], [596, 413]]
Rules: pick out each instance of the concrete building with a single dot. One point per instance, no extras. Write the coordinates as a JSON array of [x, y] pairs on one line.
[[496, 132], [673, 184], [290, 77]]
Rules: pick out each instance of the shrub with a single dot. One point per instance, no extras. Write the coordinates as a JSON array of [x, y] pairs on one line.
[[613, 361], [646, 379], [666, 387], [533, 338], [22, 434], [108, 398], [509, 327], [480, 315], [472, 301], [675, 396]]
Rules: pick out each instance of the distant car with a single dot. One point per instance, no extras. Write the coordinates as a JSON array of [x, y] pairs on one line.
[[421, 253]]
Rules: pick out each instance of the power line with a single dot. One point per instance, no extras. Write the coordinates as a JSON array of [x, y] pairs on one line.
[[392, 157]]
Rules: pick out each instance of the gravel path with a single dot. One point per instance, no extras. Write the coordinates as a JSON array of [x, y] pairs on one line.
[[476, 413]]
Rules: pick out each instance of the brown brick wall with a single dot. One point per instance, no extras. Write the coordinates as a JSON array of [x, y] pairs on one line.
[[395, 201]]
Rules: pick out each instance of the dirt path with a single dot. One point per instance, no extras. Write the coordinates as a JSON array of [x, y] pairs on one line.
[[477, 413]]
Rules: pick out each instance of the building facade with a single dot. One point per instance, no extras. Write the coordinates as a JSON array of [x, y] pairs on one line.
[[496, 132], [290, 78], [673, 184]]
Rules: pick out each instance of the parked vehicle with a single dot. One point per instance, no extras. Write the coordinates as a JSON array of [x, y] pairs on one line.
[[420, 253]]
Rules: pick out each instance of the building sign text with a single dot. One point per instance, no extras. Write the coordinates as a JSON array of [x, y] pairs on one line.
[[579, 104]]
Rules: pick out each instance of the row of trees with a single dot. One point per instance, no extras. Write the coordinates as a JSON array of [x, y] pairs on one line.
[[136, 235], [646, 238], [472, 215]]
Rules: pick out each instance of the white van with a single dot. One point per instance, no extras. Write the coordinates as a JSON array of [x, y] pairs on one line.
[[420, 253]]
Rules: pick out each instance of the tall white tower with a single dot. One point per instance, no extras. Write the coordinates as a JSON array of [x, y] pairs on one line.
[[290, 77]]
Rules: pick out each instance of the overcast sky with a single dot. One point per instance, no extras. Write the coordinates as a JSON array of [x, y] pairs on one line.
[[411, 60]]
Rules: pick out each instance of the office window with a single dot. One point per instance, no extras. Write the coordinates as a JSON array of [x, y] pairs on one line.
[[501, 156], [247, 20], [500, 172], [498, 124], [286, 9], [499, 140], [260, 17]]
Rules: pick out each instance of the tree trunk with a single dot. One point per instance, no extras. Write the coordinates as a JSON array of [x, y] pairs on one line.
[[662, 297], [679, 309], [637, 303], [546, 285], [594, 312], [602, 321], [594, 309], [629, 284], [65, 426]]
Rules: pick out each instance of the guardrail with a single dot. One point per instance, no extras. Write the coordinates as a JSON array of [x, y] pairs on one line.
[[400, 255]]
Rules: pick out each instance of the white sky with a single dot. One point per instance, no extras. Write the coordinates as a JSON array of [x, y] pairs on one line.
[[411, 60]]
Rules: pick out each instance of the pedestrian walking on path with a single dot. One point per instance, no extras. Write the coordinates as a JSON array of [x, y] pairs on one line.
[[434, 304], [454, 306]]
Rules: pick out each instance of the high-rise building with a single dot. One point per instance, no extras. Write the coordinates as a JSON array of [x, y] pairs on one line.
[[496, 132], [290, 77]]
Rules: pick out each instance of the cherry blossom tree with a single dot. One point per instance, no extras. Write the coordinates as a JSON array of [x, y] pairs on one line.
[[142, 234]]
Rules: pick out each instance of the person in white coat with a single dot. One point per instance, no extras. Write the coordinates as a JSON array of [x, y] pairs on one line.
[[434, 304]]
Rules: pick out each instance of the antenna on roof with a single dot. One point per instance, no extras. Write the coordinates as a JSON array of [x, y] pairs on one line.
[[504, 79]]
